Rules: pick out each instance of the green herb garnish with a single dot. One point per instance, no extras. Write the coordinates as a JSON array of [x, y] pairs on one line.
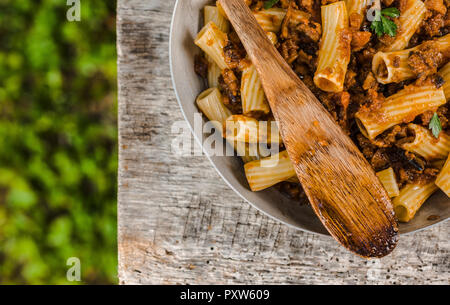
[[382, 25], [435, 125], [268, 4]]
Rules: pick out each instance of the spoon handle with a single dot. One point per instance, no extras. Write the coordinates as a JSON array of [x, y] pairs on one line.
[[339, 182]]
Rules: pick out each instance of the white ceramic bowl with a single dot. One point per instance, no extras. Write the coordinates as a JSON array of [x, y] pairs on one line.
[[186, 23]]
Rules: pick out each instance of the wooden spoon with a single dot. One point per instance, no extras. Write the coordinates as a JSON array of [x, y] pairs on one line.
[[341, 186]]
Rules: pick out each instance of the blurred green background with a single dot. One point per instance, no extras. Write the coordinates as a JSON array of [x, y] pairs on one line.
[[58, 148]]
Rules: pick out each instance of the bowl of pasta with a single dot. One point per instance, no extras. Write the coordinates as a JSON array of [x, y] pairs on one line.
[[382, 72]]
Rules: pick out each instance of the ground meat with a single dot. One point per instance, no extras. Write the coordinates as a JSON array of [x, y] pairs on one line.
[[391, 136], [415, 170], [364, 58], [337, 105], [436, 5], [229, 85], [310, 29], [201, 66], [372, 101], [350, 79], [432, 26], [426, 117], [425, 60], [380, 160], [370, 82], [360, 39], [355, 21], [233, 54], [366, 147], [444, 116], [288, 50], [308, 5]]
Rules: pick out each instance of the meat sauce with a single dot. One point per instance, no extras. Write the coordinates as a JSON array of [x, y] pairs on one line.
[[298, 43]]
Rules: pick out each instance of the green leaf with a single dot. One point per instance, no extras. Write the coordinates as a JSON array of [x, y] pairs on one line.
[[382, 25], [377, 27], [389, 26], [435, 125], [391, 12], [268, 4]]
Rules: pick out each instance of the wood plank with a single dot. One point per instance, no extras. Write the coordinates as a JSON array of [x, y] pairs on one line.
[[179, 223]]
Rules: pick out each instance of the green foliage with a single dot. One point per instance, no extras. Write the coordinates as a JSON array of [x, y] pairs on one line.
[[58, 151]]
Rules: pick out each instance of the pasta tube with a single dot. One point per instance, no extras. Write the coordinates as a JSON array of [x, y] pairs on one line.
[[272, 37], [443, 179], [426, 145], [247, 151], [334, 50], [252, 93], [411, 198], [270, 20], [410, 20], [445, 73], [357, 7], [214, 73], [401, 107], [246, 129], [392, 67], [212, 41], [269, 171], [210, 103], [387, 178], [211, 13]]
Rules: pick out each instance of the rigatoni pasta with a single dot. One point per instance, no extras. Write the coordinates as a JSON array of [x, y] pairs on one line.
[[334, 52], [443, 179], [410, 20], [211, 13], [387, 179], [398, 108], [214, 73], [210, 103], [252, 93], [247, 129], [270, 20], [247, 151], [353, 75], [212, 41], [269, 171], [357, 7], [445, 73], [393, 67], [426, 145], [411, 198]]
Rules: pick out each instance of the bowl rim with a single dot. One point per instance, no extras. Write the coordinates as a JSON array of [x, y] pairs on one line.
[[199, 142]]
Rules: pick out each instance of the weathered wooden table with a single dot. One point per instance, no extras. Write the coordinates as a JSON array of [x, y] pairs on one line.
[[179, 223]]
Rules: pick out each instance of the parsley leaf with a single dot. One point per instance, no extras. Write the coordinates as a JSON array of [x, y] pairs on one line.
[[435, 125], [389, 27], [268, 4], [382, 25], [391, 12]]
